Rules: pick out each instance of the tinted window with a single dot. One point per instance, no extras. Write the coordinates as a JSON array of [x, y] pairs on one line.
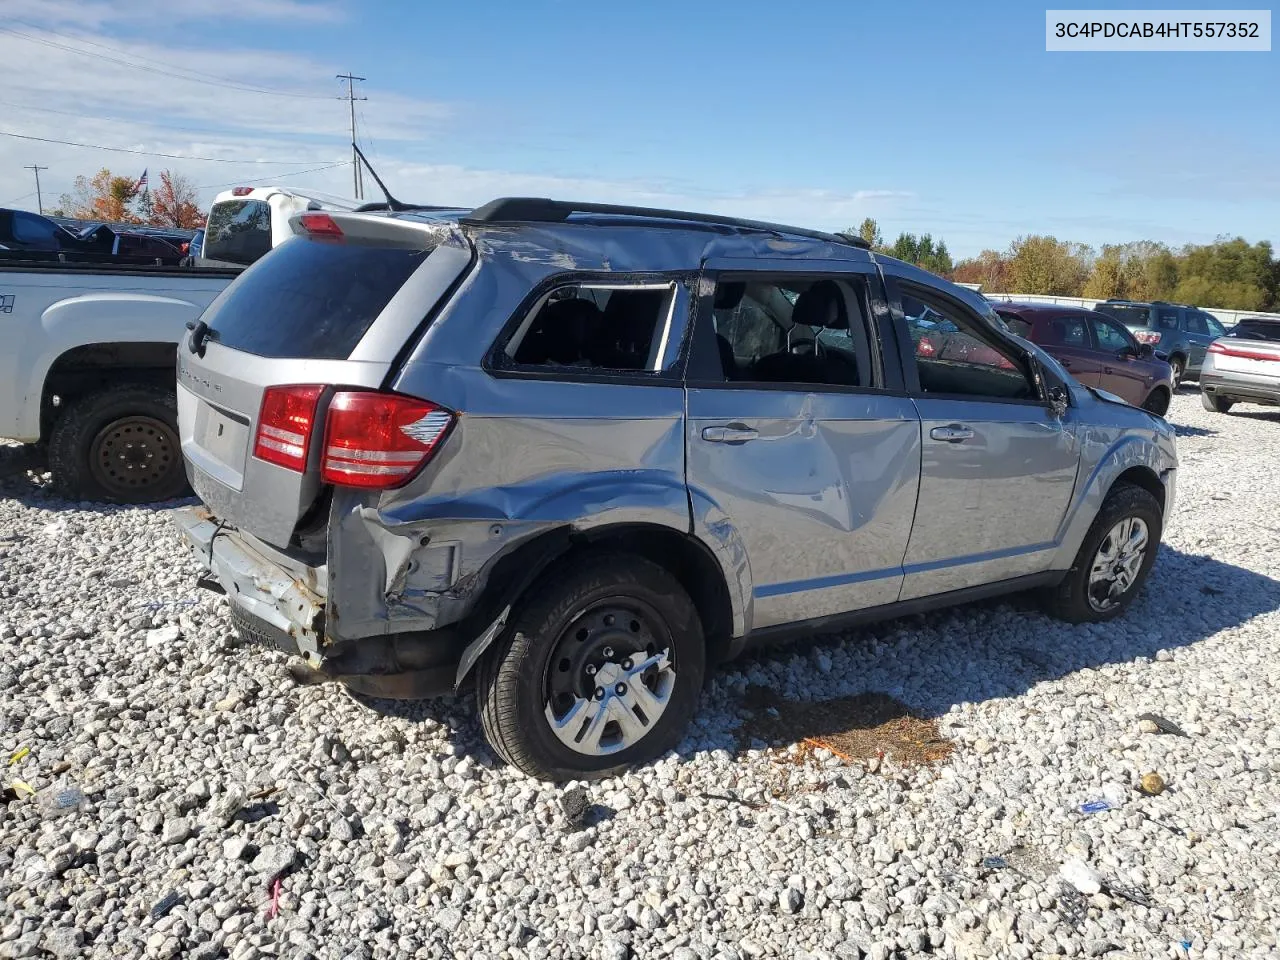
[[238, 231], [1016, 325], [793, 330], [1111, 337], [952, 354], [595, 327], [1130, 314], [1065, 331], [28, 228], [1196, 323], [1257, 330], [312, 298], [1167, 318]]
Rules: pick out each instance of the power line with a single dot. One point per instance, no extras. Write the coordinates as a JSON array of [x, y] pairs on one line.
[[232, 85], [358, 180], [146, 153], [10, 203], [135, 120], [39, 198], [273, 177]]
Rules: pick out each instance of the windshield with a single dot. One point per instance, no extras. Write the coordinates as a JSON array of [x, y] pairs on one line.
[[1130, 314], [1268, 330], [238, 231]]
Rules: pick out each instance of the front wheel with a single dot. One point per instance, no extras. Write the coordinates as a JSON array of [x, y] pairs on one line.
[[600, 669], [120, 445], [1214, 403], [1114, 559]]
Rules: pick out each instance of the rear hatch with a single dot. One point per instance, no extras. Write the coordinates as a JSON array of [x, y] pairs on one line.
[[317, 324], [1251, 348]]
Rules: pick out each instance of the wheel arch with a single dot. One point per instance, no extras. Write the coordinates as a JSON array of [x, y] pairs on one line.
[[683, 556]]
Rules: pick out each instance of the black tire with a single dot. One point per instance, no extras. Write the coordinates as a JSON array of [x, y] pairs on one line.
[[513, 675], [1214, 403], [1157, 402], [1070, 600], [120, 445], [1178, 367]]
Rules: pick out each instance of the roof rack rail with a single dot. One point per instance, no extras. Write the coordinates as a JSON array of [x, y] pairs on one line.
[[399, 207], [543, 210]]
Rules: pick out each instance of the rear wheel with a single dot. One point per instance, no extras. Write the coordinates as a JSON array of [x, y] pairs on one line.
[[1157, 402], [120, 445], [1215, 404], [1179, 367], [599, 669], [1114, 559]]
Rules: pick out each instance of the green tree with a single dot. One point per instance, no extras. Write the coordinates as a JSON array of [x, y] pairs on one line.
[[869, 231], [1047, 265], [1229, 273]]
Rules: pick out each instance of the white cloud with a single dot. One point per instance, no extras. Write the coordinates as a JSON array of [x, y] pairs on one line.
[[99, 13], [52, 92]]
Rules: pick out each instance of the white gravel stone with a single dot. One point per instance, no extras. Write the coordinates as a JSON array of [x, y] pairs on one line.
[[401, 834]]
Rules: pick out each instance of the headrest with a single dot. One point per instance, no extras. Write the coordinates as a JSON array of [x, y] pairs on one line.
[[822, 305], [729, 295]]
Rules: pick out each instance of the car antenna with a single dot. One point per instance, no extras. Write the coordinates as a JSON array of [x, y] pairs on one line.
[[393, 204]]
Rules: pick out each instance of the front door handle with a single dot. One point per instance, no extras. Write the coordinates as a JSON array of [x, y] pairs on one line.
[[1065, 362], [953, 433], [729, 433]]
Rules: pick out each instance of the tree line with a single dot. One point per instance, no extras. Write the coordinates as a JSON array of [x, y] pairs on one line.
[[1230, 273], [115, 199]]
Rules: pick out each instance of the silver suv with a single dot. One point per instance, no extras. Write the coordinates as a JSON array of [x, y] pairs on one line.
[[578, 453]]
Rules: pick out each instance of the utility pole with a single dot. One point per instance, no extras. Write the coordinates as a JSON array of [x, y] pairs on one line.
[[357, 177], [39, 198]]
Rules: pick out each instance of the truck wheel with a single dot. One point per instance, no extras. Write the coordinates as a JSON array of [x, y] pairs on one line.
[[1215, 404], [600, 668], [1114, 559], [120, 445]]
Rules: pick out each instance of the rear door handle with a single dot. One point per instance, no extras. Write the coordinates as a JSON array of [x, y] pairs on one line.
[[1066, 363], [953, 433], [729, 433]]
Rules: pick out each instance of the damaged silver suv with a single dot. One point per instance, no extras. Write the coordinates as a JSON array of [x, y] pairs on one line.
[[577, 453]]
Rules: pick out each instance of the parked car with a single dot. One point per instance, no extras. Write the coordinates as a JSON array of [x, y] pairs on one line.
[[22, 230], [1243, 366], [246, 223], [1097, 350], [507, 448], [1179, 331], [87, 370]]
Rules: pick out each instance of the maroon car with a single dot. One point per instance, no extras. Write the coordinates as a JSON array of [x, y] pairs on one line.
[[1097, 350]]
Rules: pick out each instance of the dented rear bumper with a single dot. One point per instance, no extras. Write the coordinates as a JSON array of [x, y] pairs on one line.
[[280, 591]]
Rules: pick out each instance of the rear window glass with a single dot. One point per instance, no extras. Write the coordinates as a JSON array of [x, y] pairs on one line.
[[238, 231], [1257, 330], [1016, 325], [310, 298], [1129, 314]]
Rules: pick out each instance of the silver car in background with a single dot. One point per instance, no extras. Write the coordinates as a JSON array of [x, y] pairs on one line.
[[1243, 366], [580, 453]]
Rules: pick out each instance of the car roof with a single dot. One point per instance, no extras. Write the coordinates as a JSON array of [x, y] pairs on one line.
[[1030, 310]]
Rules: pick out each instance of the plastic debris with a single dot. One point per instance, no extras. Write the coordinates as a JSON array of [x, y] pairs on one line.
[[1096, 806], [1151, 784], [995, 863], [273, 908], [1082, 877], [1072, 906], [60, 799], [166, 904], [21, 786], [1126, 892], [18, 755], [1165, 726]]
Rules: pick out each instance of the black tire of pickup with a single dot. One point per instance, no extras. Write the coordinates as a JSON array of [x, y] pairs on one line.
[[119, 445]]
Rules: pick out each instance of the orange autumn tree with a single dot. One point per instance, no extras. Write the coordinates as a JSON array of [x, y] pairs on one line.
[[104, 196], [174, 203]]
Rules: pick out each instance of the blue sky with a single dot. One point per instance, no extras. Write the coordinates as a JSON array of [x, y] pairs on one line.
[[928, 116]]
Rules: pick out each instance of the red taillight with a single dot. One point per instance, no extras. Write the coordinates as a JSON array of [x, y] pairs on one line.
[[241, 191], [1146, 336], [1224, 350], [925, 348], [284, 425], [379, 439], [320, 225]]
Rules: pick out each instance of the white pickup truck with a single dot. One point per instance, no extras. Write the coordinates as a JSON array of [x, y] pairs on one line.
[[88, 350]]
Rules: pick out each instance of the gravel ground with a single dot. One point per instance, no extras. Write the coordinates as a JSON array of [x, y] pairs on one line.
[[207, 774]]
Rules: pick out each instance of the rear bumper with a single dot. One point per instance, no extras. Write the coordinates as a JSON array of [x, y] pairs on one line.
[[291, 601], [1241, 386]]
